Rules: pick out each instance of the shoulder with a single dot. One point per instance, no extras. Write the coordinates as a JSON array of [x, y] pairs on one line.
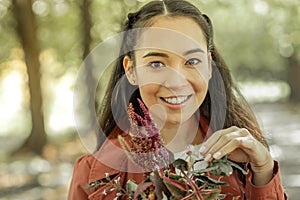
[[86, 159], [80, 177], [111, 158], [84, 163], [82, 168], [109, 150], [87, 166]]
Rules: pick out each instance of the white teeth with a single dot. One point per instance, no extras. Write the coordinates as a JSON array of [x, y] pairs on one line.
[[176, 100]]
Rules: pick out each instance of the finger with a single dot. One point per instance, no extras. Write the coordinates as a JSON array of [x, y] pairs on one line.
[[225, 139], [206, 146], [231, 148]]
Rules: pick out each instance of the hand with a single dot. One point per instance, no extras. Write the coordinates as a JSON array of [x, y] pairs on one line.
[[240, 146]]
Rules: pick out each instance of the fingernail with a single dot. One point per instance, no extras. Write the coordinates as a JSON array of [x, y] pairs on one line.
[[207, 157], [217, 155], [202, 149]]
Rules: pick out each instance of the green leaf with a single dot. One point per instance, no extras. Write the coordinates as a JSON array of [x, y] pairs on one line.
[[221, 196], [88, 186], [141, 188], [222, 167], [131, 185], [233, 164], [159, 186], [177, 189], [164, 197], [225, 168], [94, 185], [202, 179], [212, 196], [208, 169], [174, 176], [180, 164]]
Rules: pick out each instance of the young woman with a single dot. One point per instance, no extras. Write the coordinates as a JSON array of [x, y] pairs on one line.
[[168, 59]]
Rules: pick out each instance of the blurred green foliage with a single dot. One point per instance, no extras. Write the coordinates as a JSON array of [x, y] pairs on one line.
[[255, 37]]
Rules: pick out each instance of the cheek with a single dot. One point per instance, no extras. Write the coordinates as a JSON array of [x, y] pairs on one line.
[[200, 80], [204, 74], [148, 93], [147, 76], [200, 86]]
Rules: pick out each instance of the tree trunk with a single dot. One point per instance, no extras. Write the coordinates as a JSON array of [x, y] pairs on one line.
[[294, 77], [26, 28], [86, 27], [90, 81]]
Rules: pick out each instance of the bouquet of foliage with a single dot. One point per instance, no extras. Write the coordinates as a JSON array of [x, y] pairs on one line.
[[184, 179]]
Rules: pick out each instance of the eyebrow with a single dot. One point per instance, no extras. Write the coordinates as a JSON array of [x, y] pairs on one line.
[[155, 54], [193, 51], [166, 55]]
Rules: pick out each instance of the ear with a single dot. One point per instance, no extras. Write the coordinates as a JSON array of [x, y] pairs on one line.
[[210, 62], [129, 70]]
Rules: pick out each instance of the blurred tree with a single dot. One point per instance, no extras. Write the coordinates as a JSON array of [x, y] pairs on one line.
[[293, 77], [26, 28], [8, 37], [289, 46], [87, 97], [284, 25], [259, 39], [86, 27]]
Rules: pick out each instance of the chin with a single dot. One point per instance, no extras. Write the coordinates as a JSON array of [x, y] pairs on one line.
[[176, 121]]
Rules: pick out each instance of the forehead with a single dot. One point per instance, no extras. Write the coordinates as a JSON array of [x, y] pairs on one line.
[[174, 34]]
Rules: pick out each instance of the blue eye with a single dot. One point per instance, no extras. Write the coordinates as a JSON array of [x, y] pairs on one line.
[[193, 61], [156, 64]]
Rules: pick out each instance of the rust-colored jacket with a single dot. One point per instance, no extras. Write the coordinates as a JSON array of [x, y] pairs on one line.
[[111, 159]]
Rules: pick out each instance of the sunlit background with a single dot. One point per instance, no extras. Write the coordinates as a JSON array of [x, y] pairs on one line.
[[14, 106], [258, 39]]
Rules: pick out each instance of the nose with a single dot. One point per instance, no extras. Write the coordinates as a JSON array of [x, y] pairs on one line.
[[175, 79]]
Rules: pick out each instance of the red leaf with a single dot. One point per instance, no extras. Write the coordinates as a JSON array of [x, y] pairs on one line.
[[141, 188], [179, 185]]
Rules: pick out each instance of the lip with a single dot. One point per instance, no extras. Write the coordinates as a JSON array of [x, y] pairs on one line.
[[176, 106]]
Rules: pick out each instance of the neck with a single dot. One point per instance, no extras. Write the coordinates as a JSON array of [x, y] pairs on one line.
[[178, 136]]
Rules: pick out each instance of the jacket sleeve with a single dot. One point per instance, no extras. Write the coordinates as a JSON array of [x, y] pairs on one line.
[[80, 178], [273, 190]]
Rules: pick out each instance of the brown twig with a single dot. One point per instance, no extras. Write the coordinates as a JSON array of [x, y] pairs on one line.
[[193, 185]]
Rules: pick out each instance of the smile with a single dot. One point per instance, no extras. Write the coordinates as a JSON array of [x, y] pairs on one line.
[[175, 100]]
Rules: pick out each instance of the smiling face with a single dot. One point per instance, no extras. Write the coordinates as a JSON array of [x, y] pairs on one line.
[[172, 68]]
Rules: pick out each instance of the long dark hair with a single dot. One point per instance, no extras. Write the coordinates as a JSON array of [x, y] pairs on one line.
[[229, 107]]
